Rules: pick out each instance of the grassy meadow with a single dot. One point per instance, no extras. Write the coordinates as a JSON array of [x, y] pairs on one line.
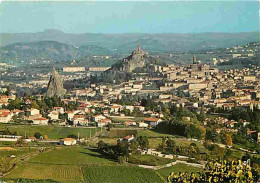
[[53, 132], [165, 172]]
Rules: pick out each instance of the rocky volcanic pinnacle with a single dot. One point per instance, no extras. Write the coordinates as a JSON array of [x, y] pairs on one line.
[[55, 85], [138, 58]]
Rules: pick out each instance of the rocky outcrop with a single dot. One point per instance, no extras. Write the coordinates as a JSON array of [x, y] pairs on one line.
[[138, 58], [55, 86]]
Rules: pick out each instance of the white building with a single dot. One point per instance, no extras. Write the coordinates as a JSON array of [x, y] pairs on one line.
[[33, 112], [73, 69], [40, 121], [68, 141]]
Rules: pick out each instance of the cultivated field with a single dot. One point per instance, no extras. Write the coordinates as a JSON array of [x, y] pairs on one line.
[[78, 164], [120, 174], [71, 156], [63, 173]]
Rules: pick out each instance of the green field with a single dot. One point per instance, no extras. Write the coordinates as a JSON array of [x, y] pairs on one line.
[[148, 160], [71, 156], [120, 174], [63, 173], [53, 132], [16, 151], [165, 172], [78, 164], [150, 133]]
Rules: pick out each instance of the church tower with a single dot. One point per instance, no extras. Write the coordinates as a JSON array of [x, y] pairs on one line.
[[139, 47], [194, 59]]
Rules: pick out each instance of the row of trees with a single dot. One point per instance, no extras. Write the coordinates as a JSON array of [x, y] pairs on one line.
[[123, 148]]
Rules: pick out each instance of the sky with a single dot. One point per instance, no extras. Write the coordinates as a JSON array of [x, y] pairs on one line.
[[129, 17]]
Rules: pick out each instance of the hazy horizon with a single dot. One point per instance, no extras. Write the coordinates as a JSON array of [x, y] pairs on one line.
[[118, 17], [58, 30]]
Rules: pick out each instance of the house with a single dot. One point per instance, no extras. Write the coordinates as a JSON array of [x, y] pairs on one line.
[[140, 108], [70, 115], [3, 100], [33, 112], [54, 115], [104, 122], [79, 119], [128, 138], [40, 121], [68, 141], [130, 107], [152, 121], [30, 118], [60, 110], [130, 123], [17, 111], [142, 125], [115, 109], [97, 118], [5, 116]]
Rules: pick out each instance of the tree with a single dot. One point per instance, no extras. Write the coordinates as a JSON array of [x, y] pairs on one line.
[[170, 146], [45, 137], [192, 131], [228, 139], [20, 142], [109, 126], [143, 142], [37, 135], [15, 104], [35, 105], [212, 135], [162, 146], [101, 145], [202, 116], [123, 148], [72, 136], [134, 147]]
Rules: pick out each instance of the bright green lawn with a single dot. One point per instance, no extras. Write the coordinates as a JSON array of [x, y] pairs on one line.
[[165, 172], [53, 132], [71, 156]]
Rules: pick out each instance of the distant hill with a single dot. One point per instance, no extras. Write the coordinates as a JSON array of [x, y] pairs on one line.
[[47, 50], [125, 43]]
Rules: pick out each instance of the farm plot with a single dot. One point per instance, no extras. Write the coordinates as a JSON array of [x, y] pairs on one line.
[[71, 156], [120, 174], [61, 173]]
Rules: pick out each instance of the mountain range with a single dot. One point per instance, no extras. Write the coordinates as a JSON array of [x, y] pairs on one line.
[[55, 44]]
